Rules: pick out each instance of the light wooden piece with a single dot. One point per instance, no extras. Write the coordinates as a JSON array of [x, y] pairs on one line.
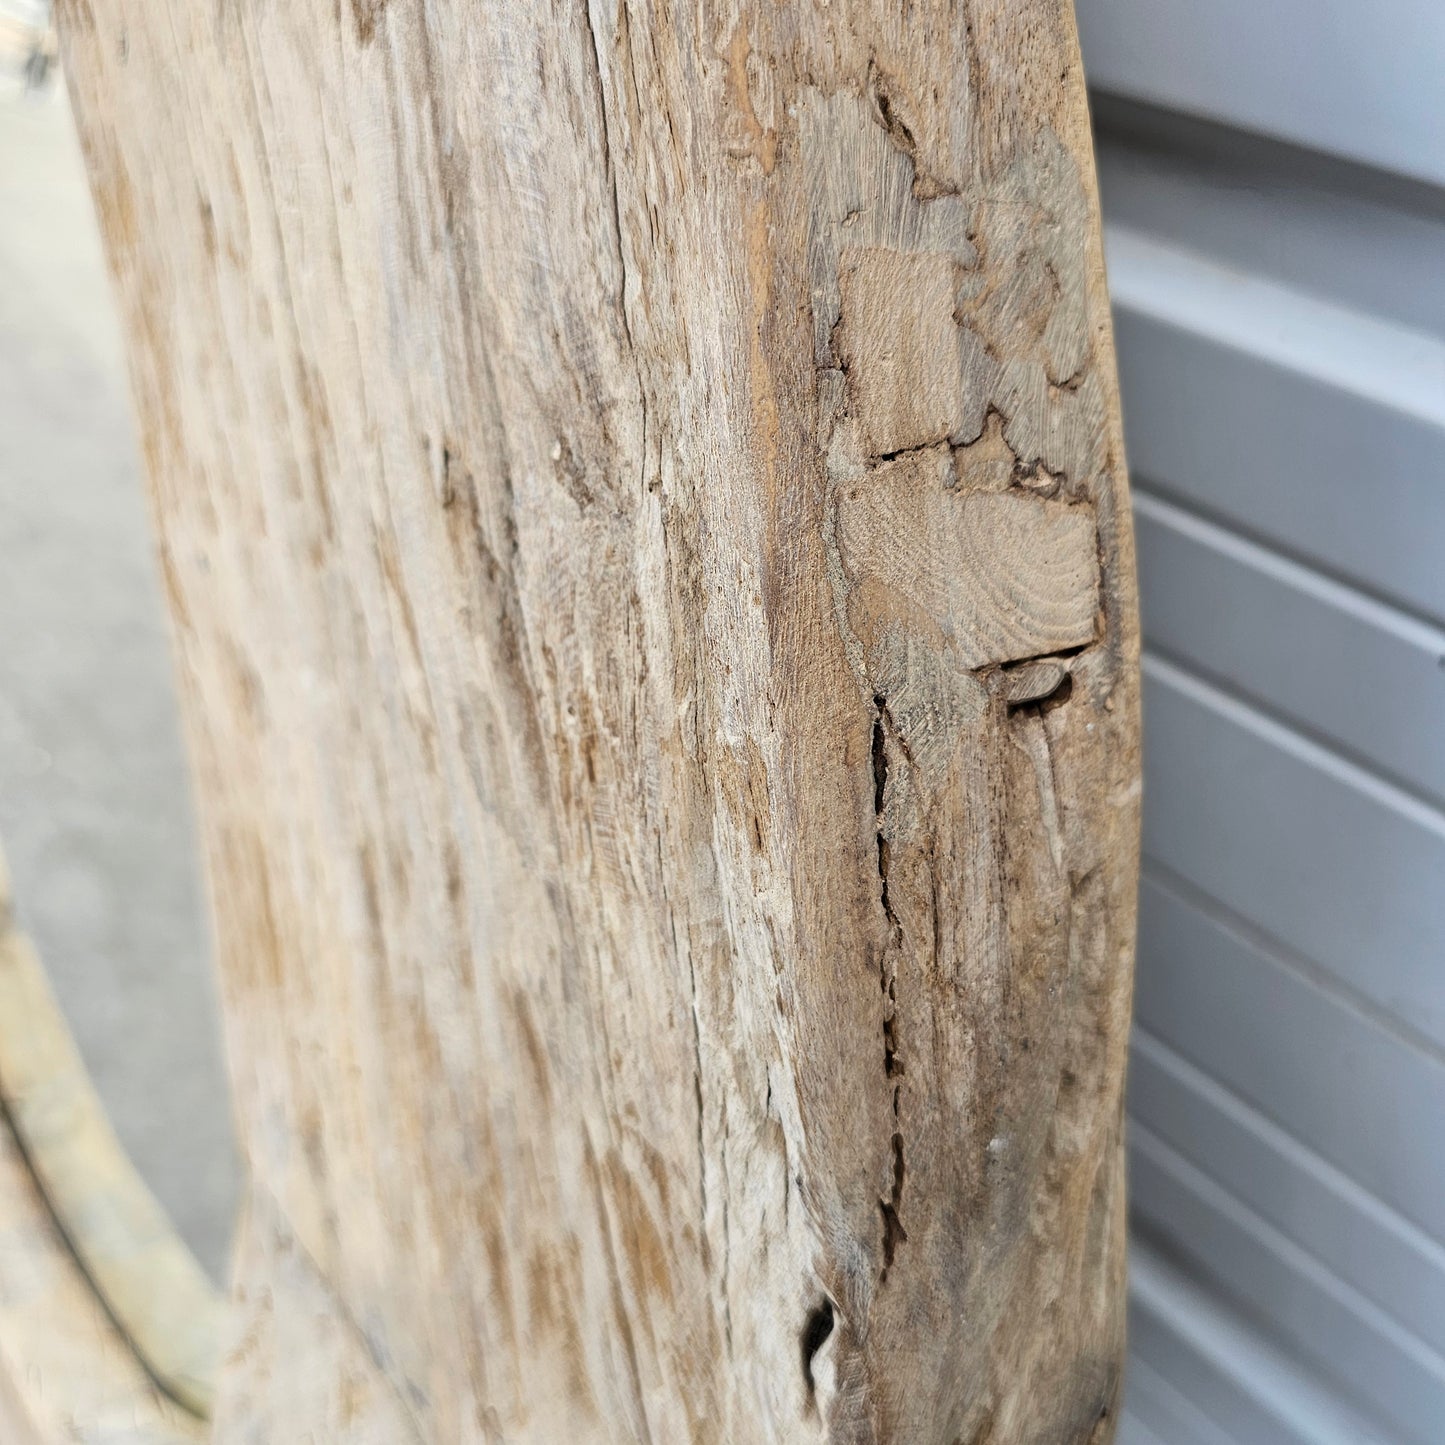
[[80, 1305], [67, 1375], [642, 504], [149, 1280]]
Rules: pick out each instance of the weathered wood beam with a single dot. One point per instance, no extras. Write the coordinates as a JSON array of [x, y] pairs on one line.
[[643, 508]]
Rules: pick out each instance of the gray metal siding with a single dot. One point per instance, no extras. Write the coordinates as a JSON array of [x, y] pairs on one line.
[[1357, 80], [1282, 417], [1274, 194], [1322, 658]]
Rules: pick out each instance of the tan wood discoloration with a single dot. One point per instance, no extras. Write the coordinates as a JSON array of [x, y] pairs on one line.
[[664, 706]]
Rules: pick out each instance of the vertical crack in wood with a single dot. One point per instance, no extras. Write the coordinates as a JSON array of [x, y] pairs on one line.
[[894, 1232]]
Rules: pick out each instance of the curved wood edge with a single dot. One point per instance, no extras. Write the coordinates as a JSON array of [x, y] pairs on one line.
[[299, 1368], [66, 1371], [102, 1306]]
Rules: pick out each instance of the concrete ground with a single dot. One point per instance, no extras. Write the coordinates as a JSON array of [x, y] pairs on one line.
[[95, 811]]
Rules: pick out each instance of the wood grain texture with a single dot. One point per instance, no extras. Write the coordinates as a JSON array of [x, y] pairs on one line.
[[642, 502]]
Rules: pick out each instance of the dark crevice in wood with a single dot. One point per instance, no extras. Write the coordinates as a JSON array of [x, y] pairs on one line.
[[1062, 654], [879, 459], [892, 1064], [880, 789], [880, 759], [894, 1233], [898, 129], [884, 732], [926, 185], [816, 1329]]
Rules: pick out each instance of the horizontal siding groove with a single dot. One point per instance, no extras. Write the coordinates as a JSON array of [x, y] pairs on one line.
[[1156, 1405], [1302, 730], [1349, 672], [1360, 1239], [1271, 163], [1337, 76], [1352, 351], [1321, 856], [1345, 597], [1245, 1381], [1245, 713], [1155, 482], [1222, 995], [1352, 485], [1314, 223], [1336, 1327]]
